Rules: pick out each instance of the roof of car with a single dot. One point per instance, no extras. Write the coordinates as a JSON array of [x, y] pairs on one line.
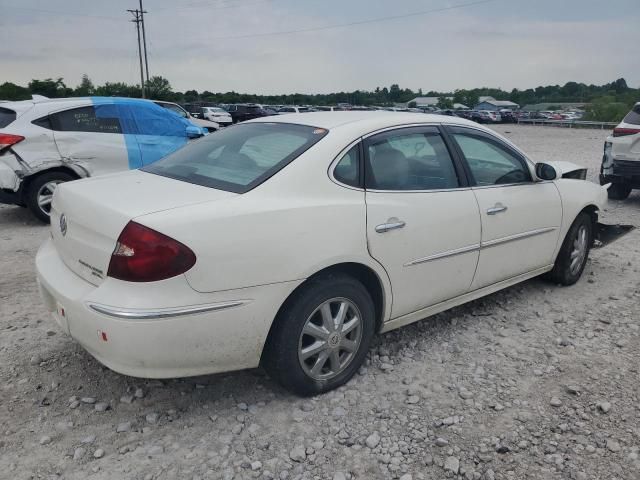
[[366, 119]]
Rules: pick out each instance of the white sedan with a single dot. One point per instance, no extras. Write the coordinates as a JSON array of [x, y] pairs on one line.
[[290, 241]]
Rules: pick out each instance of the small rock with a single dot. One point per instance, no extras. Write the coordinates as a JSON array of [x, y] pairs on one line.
[[123, 427], [373, 440], [604, 407], [339, 412], [298, 454], [89, 400], [152, 418], [139, 393], [413, 399], [406, 476], [88, 439], [465, 394], [555, 402], [45, 440], [126, 399], [257, 465], [441, 442], [452, 464], [101, 407], [613, 446], [99, 453], [78, 453], [339, 476], [35, 360]]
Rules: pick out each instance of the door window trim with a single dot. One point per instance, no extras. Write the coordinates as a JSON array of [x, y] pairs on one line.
[[334, 163], [450, 129]]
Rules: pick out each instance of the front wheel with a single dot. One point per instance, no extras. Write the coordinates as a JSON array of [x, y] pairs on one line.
[[322, 335], [40, 193], [574, 252]]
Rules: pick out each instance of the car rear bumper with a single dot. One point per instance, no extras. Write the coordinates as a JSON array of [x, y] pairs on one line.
[[208, 333], [622, 171]]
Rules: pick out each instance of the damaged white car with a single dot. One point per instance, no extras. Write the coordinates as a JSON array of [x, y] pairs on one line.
[[44, 142], [290, 241]]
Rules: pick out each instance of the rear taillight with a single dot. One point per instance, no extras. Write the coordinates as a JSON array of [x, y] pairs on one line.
[[621, 132], [144, 255], [6, 140]]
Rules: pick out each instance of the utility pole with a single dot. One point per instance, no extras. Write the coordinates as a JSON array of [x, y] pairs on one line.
[[137, 14], [144, 41]]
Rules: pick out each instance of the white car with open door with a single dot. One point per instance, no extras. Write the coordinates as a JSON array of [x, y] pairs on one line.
[[290, 241]]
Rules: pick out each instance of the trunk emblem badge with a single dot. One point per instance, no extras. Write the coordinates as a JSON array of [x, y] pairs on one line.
[[63, 224]]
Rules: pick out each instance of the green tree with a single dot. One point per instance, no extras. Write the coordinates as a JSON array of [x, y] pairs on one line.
[[158, 88], [85, 88], [118, 89], [11, 91], [445, 103], [49, 88]]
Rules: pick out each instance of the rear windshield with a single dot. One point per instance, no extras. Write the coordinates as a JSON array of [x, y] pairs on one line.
[[6, 117], [238, 158], [633, 117]]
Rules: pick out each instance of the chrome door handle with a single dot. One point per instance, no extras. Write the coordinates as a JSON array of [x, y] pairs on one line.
[[385, 227], [497, 208]]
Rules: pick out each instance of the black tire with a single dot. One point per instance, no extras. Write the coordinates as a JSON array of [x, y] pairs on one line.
[[280, 358], [33, 190], [562, 272], [618, 191]]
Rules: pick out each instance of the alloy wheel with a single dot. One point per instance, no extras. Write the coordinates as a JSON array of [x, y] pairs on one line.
[[45, 195], [579, 251], [330, 338]]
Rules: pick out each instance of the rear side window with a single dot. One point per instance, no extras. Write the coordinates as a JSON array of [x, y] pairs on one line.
[[239, 158], [84, 119], [6, 117], [633, 117], [347, 170]]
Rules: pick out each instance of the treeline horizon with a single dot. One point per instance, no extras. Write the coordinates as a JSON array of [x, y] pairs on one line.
[[607, 102]]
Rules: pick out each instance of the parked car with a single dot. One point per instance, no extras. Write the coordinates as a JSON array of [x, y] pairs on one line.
[[266, 251], [621, 159], [209, 125], [243, 112], [216, 114], [46, 142], [485, 116], [507, 116], [292, 109]]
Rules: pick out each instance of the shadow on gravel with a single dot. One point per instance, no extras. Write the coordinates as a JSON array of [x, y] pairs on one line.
[[11, 216]]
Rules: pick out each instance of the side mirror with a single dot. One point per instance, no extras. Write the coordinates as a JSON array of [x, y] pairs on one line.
[[545, 171], [194, 132]]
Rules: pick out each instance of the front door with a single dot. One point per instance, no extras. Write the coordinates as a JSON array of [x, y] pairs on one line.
[[520, 218], [423, 224]]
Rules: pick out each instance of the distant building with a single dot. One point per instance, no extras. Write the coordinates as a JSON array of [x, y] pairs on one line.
[[496, 105], [485, 99], [423, 102], [460, 106]]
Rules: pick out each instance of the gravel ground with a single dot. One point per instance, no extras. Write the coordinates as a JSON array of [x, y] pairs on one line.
[[534, 382]]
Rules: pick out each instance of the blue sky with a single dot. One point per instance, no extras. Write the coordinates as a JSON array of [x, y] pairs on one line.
[[195, 44]]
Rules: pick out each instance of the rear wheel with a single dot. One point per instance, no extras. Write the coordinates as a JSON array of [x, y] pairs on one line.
[[40, 193], [574, 252], [618, 191], [321, 336]]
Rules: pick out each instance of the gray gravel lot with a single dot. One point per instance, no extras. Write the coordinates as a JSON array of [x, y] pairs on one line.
[[534, 382]]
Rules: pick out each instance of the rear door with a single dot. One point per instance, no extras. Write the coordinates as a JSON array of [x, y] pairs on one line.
[[520, 218], [93, 142], [423, 224]]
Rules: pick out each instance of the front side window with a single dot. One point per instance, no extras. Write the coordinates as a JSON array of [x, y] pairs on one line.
[[410, 160], [240, 158], [490, 162], [84, 119], [174, 109]]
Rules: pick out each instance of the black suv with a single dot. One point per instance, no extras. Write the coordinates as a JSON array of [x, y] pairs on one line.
[[242, 112]]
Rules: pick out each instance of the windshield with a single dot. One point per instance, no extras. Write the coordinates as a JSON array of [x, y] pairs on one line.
[[238, 158]]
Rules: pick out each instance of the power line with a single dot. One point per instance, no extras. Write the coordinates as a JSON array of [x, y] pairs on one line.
[[214, 6], [54, 12], [356, 23]]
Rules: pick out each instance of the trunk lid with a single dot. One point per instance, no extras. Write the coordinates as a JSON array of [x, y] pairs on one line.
[[87, 216]]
